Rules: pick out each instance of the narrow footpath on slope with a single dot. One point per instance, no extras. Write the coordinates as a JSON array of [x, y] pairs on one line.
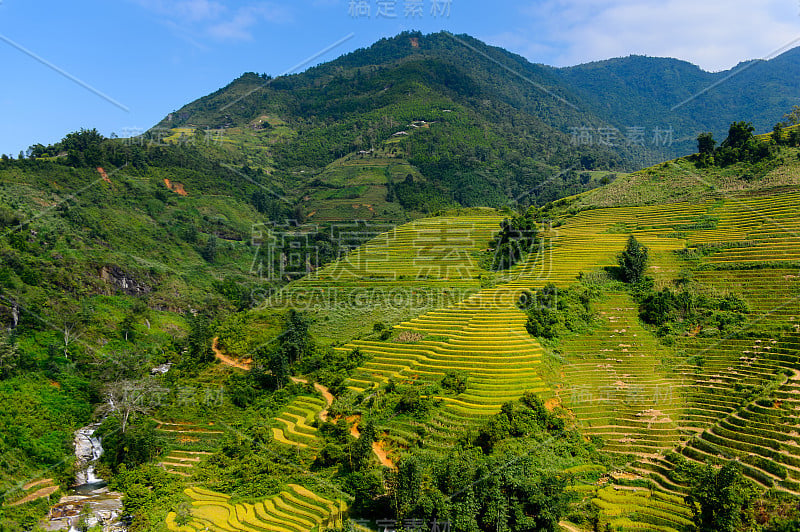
[[225, 359], [377, 446]]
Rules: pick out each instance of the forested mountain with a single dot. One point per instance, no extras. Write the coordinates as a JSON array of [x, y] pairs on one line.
[[661, 92], [642, 109]]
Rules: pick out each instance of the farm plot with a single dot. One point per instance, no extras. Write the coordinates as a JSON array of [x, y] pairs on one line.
[[296, 509], [614, 381], [295, 422], [401, 273]]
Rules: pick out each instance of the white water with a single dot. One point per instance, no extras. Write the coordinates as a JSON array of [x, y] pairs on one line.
[[87, 450], [104, 506]]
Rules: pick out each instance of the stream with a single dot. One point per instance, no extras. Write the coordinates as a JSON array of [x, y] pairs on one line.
[[89, 503]]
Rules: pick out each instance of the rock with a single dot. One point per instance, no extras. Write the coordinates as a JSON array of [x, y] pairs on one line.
[[125, 282]]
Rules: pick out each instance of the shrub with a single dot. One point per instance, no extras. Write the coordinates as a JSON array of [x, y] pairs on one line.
[[633, 261]]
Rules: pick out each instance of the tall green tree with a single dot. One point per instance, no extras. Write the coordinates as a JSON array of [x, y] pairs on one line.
[[296, 340], [515, 240], [722, 499], [199, 338], [777, 133], [9, 357], [209, 251], [633, 261], [706, 144], [739, 134], [793, 116]]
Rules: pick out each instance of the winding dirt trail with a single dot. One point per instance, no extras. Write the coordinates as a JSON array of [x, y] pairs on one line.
[[38, 494], [377, 446], [569, 527], [225, 359], [328, 399], [380, 452]]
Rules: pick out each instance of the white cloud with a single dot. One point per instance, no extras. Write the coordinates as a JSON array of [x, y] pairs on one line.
[[211, 19], [714, 34], [240, 25]]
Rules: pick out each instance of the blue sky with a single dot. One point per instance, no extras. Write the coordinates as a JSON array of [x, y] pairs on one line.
[[122, 65]]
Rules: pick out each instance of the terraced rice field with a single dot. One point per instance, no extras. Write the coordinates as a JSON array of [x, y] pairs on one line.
[[401, 273], [33, 490], [188, 445], [294, 423], [615, 383], [431, 249], [182, 463], [739, 393], [705, 398], [295, 509]]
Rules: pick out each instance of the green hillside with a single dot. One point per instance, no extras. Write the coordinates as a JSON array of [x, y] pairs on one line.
[[390, 293]]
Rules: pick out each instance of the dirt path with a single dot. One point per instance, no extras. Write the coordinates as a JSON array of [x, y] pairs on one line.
[[354, 421], [38, 494], [569, 527], [226, 359], [175, 187], [328, 399], [35, 483], [380, 452], [377, 446], [104, 175]]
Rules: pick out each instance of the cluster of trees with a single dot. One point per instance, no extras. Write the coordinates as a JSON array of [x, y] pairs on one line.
[[272, 362], [553, 312], [633, 261], [517, 238], [678, 311], [501, 477], [740, 145]]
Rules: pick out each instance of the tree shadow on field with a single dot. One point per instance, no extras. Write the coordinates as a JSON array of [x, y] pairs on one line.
[[615, 272]]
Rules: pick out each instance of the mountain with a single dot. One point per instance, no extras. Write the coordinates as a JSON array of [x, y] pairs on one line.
[[668, 93], [388, 289], [473, 124]]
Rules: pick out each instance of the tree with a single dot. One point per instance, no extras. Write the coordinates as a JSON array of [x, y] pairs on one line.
[[722, 500], [296, 340], [127, 399], [777, 133], [83, 148], [706, 144], [278, 365], [9, 357], [209, 251], [199, 338], [515, 239], [793, 116], [361, 449], [127, 328], [633, 261], [739, 134], [794, 137]]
